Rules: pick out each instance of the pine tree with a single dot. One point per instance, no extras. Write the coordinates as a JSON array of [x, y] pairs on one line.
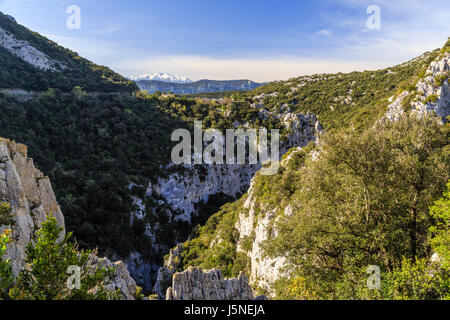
[[45, 274]]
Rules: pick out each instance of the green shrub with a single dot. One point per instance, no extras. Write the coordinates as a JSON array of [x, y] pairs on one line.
[[45, 276], [431, 98]]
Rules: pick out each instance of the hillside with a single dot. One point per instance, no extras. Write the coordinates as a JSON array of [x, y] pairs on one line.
[[32, 62], [108, 154], [336, 207]]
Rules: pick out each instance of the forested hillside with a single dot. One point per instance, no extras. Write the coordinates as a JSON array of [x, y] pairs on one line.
[[70, 70]]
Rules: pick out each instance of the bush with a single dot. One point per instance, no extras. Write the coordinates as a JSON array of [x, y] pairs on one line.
[[45, 275]]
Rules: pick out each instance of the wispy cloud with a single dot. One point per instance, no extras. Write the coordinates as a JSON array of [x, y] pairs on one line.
[[324, 32], [108, 29]]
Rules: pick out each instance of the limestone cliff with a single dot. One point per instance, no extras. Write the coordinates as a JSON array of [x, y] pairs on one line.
[[197, 284], [31, 198], [181, 192], [23, 50]]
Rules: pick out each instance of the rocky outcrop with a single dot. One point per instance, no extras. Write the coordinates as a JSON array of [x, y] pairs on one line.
[[258, 226], [30, 196], [28, 53], [31, 199], [258, 223], [121, 279], [182, 191], [166, 272], [431, 94], [196, 284]]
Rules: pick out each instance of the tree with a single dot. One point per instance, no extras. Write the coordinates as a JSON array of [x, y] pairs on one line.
[[425, 278], [365, 201], [5, 214], [45, 277], [441, 228], [79, 93]]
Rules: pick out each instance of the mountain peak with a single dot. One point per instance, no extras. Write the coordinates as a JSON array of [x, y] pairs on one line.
[[165, 77]]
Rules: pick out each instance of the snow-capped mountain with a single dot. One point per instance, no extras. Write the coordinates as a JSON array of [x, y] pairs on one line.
[[165, 77]]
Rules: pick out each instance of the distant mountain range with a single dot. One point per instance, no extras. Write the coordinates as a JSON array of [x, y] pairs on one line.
[[200, 86], [164, 77]]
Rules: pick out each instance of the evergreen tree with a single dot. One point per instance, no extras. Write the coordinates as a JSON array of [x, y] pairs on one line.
[[45, 274]]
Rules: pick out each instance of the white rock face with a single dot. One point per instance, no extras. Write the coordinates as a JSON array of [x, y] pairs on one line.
[[196, 284], [260, 226], [31, 198], [182, 192], [197, 183], [28, 53], [427, 88], [264, 271], [121, 279]]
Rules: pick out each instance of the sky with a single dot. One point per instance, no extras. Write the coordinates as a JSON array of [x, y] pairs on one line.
[[262, 40]]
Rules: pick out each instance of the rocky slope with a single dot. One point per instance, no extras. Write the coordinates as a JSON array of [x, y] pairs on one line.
[[182, 191], [31, 198], [264, 271], [430, 94], [28, 53], [200, 86]]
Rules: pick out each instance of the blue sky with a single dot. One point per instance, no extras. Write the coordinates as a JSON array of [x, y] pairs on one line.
[[228, 39]]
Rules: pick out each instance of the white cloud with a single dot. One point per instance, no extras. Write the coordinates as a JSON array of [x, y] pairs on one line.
[[324, 32]]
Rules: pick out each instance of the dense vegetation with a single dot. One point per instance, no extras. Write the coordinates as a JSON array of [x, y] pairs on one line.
[[77, 71], [364, 201], [216, 95], [94, 148], [199, 251]]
